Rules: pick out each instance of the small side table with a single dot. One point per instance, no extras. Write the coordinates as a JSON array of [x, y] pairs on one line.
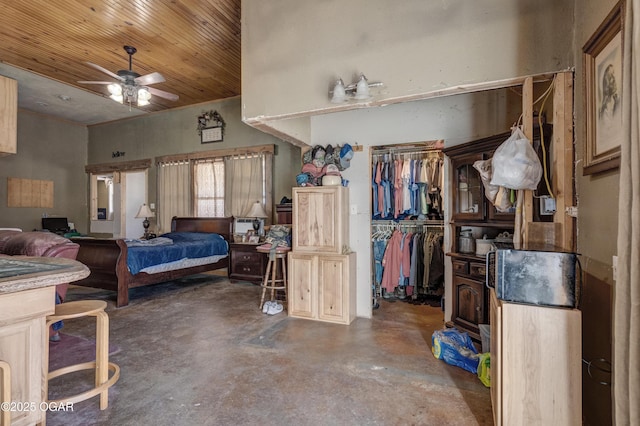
[[245, 263]]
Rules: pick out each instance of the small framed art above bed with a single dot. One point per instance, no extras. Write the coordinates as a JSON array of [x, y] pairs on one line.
[[193, 246]]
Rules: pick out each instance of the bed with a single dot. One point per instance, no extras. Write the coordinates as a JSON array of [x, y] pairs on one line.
[[107, 258]]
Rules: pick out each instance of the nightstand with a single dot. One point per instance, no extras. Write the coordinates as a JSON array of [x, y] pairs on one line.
[[245, 263]]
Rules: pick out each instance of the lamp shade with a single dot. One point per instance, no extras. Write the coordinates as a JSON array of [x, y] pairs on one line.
[[339, 92], [362, 88], [144, 212], [256, 210]]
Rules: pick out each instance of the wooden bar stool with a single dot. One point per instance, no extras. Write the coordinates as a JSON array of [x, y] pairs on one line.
[[270, 281], [87, 308]]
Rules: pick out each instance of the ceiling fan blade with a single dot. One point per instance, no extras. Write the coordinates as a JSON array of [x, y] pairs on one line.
[[96, 82], [163, 94], [152, 78], [106, 71]]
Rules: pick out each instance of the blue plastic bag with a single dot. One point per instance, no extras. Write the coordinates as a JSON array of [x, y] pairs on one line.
[[455, 348]]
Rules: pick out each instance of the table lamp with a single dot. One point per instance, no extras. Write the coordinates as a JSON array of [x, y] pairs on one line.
[[256, 212], [145, 212]]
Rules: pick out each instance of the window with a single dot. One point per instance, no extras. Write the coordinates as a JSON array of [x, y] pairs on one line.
[[208, 191], [213, 184]]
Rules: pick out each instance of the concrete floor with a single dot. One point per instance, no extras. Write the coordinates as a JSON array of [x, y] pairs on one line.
[[199, 352]]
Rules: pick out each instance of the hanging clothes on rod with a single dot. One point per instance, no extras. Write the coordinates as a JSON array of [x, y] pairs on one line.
[[407, 184], [408, 259]]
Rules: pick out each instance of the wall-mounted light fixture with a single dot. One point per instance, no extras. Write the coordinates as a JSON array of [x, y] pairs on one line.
[[358, 91]]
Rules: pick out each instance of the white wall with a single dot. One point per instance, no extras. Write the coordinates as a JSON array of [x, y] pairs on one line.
[[456, 119], [293, 51], [136, 195]]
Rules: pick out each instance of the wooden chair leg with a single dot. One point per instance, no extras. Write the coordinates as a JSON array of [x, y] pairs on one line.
[[264, 283], [273, 279], [284, 278], [102, 356]]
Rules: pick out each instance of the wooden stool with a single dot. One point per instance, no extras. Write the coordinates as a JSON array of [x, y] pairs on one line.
[[86, 308], [5, 395], [272, 267]]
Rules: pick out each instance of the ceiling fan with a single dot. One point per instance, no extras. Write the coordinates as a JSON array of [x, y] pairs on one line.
[[131, 87]]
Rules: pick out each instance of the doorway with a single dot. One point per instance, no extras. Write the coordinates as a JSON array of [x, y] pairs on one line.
[[407, 225], [116, 198]]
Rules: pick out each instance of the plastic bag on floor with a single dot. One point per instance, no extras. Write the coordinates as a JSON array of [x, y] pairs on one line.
[[484, 369], [455, 348]]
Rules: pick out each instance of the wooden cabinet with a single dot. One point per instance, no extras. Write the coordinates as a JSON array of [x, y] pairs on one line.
[[322, 280], [472, 211], [8, 116], [322, 287], [470, 204], [535, 364], [468, 193], [469, 296], [320, 219], [22, 336]]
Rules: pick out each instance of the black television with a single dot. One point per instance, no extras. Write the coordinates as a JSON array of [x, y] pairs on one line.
[[59, 225]]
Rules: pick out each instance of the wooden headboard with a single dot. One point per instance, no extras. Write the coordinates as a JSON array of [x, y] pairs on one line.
[[217, 225]]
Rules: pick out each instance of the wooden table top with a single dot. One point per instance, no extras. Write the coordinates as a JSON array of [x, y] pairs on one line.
[[19, 273]]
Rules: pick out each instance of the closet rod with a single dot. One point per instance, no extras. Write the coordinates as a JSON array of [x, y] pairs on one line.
[[404, 151], [432, 223]]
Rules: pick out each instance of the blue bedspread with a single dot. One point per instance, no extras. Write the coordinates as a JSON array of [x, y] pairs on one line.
[[185, 245]]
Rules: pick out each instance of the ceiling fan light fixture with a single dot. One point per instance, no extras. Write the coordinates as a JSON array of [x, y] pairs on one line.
[[117, 98], [115, 89], [143, 96], [131, 87]]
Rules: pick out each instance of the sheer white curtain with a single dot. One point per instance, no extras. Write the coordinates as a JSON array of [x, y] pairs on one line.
[[174, 191], [209, 188], [626, 294], [244, 182]]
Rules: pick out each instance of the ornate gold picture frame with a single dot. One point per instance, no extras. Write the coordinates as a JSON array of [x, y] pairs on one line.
[[602, 60]]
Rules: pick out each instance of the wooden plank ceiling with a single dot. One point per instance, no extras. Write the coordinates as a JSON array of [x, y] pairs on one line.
[[194, 44]]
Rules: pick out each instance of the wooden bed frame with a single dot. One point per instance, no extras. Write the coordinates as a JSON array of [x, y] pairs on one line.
[[107, 258]]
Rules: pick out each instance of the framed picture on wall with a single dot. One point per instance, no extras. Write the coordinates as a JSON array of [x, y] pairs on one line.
[[602, 61], [211, 134]]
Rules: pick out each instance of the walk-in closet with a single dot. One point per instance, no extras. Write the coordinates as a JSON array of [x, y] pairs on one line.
[[407, 227]]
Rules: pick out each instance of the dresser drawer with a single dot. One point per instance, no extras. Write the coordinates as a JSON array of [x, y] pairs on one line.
[[246, 268], [241, 257], [245, 263], [460, 267], [477, 269]]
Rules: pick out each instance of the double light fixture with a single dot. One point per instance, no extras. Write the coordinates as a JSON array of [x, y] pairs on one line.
[[129, 93], [358, 91]]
